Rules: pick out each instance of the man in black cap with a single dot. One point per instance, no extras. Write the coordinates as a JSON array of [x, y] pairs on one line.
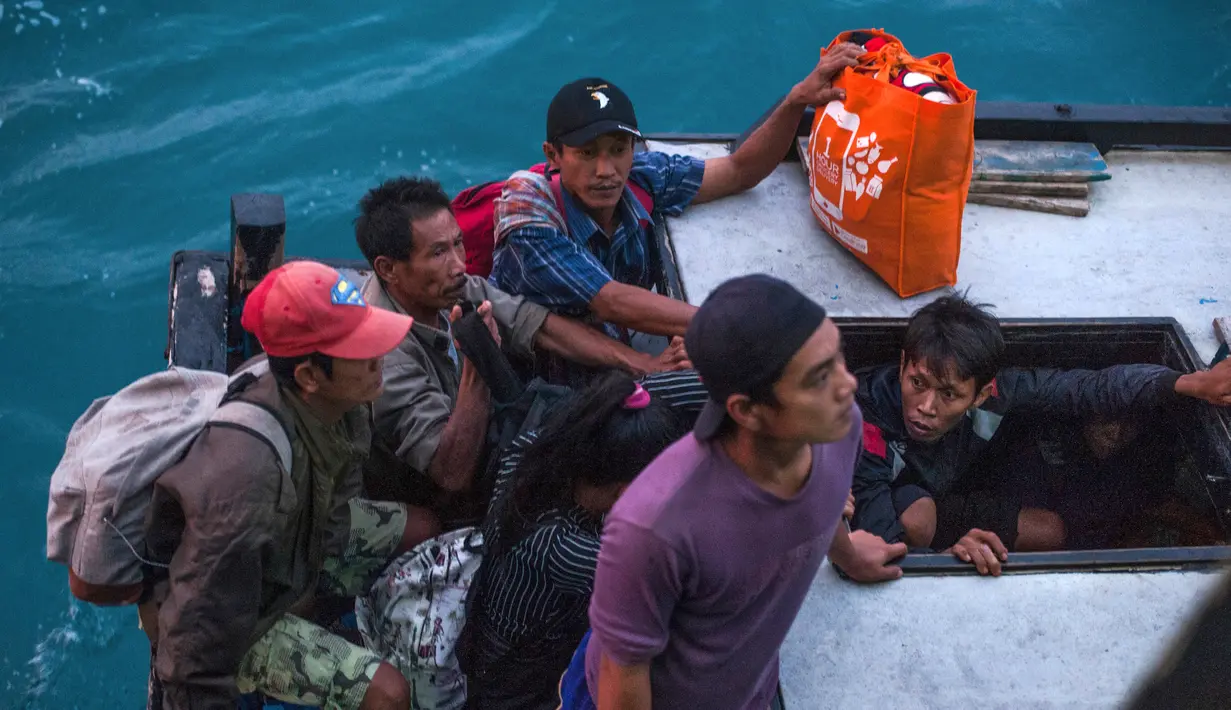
[[580, 241], [707, 557]]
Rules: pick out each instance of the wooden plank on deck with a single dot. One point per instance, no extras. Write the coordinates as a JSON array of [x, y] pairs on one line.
[[1222, 329], [1053, 205], [1046, 189]]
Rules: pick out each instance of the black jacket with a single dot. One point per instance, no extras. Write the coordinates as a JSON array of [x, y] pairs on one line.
[[891, 458]]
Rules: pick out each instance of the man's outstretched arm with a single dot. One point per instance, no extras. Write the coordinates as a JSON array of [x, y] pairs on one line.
[[549, 268], [770, 142], [1212, 386], [1112, 391], [644, 311], [581, 343], [531, 326]]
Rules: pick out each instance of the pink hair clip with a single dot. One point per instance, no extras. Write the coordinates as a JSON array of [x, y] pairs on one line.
[[639, 399]]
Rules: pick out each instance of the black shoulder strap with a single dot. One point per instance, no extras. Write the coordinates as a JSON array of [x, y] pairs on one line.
[[487, 357]]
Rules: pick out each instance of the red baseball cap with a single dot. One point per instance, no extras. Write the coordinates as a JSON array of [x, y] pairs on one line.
[[305, 306]]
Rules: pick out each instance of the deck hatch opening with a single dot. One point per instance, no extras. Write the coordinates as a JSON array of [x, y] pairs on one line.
[[1183, 524]]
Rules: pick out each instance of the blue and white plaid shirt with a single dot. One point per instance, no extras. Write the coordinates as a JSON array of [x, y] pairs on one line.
[[562, 262]]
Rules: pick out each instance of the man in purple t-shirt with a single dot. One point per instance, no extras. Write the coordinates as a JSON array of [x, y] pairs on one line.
[[708, 555]]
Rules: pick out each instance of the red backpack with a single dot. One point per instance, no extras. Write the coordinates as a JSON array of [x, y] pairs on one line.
[[475, 211]]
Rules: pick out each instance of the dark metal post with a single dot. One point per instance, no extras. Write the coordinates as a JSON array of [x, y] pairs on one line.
[[258, 239]]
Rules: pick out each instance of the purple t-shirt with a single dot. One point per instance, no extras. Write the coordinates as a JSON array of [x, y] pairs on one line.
[[701, 572]]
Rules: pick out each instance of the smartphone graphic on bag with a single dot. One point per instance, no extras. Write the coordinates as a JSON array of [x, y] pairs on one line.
[[846, 121]]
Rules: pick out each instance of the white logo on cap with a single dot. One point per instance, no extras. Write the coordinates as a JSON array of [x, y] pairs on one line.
[[601, 98]]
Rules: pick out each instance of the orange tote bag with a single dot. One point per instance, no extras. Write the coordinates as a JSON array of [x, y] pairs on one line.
[[890, 170]]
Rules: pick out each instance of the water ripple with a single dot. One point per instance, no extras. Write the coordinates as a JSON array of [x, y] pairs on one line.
[[15, 100], [270, 107], [84, 627]]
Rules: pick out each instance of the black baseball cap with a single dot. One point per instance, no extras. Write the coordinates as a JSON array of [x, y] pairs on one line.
[[742, 338], [588, 108]]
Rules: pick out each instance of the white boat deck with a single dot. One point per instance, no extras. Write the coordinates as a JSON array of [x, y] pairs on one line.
[[1017, 642], [1157, 242]]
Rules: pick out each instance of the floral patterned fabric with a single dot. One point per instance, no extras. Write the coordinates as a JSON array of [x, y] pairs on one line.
[[414, 612]]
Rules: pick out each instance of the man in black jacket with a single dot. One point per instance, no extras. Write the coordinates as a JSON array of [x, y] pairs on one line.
[[929, 417]]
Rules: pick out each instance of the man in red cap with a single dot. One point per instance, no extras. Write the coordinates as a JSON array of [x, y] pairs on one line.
[[250, 543]]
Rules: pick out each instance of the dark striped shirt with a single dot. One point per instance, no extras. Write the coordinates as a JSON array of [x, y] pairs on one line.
[[534, 609]]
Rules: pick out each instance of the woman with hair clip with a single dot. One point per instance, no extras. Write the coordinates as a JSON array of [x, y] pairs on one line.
[[552, 491]]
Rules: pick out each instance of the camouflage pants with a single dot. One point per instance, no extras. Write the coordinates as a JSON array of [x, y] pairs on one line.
[[299, 662]]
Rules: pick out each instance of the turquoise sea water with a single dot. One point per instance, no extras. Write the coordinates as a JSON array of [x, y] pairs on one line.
[[124, 129]]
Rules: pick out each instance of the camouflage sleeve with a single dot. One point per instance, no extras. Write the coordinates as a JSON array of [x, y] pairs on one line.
[[337, 528], [227, 487]]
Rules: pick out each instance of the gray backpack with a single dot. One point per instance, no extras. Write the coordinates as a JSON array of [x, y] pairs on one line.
[[102, 488]]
